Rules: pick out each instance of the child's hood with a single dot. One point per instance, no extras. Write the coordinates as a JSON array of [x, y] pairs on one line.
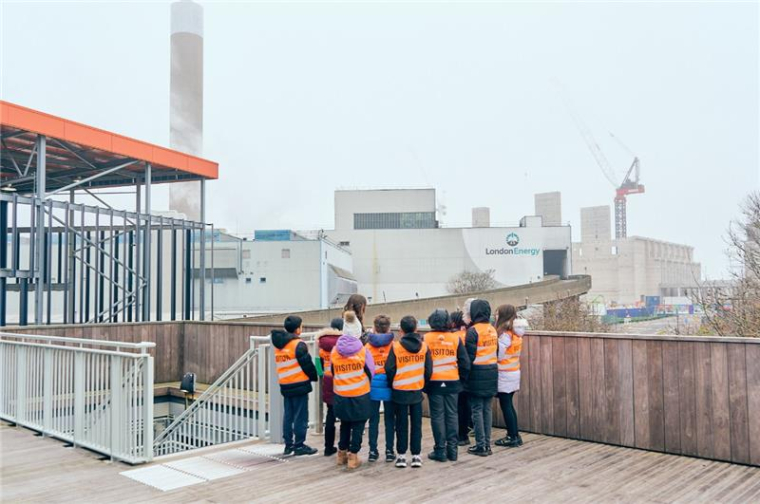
[[412, 342], [327, 338], [349, 345], [381, 339], [280, 338]]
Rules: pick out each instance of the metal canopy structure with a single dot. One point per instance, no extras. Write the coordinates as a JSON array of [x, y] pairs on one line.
[[86, 263]]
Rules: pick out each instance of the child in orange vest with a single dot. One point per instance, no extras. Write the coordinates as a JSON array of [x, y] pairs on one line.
[[295, 372], [510, 330], [326, 339], [379, 344], [409, 367]]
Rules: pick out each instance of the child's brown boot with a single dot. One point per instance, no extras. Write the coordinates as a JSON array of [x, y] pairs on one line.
[[354, 461], [342, 457]]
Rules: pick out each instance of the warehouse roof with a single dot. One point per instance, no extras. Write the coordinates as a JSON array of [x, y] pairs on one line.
[[77, 152]]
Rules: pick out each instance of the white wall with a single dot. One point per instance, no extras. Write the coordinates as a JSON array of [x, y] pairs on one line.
[[347, 203]]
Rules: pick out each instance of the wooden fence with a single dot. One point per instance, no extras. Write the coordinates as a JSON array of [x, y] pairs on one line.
[[696, 396]]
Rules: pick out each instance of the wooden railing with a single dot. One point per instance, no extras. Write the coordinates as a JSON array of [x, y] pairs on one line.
[[694, 396]]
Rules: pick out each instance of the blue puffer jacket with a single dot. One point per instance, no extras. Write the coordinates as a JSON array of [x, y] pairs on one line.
[[380, 344]]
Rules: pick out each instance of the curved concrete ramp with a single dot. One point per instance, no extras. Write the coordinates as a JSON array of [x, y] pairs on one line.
[[551, 289]]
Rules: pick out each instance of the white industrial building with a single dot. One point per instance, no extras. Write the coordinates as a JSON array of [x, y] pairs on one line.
[[625, 270], [400, 252]]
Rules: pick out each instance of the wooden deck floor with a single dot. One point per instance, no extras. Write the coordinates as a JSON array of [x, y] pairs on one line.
[[545, 469]]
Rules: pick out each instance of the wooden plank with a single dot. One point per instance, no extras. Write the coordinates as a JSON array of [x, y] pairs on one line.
[[522, 406], [559, 386], [753, 401], [598, 392], [671, 397], [627, 435], [586, 390], [737, 401], [612, 391], [547, 389], [721, 420], [640, 369], [703, 390], [687, 398], [572, 389], [535, 384]]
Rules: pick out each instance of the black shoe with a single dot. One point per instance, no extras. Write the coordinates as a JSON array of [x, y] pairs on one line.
[[288, 450], [390, 456], [510, 442], [480, 451], [401, 462], [373, 456], [464, 442], [437, 455], [329, 451], [304, 450], [452, 453]]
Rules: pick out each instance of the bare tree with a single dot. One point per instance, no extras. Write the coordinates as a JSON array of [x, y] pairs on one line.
[[733, 308], [466, 282], [569, 314]]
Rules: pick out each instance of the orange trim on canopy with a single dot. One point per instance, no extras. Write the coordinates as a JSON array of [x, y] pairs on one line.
[[23, 118]]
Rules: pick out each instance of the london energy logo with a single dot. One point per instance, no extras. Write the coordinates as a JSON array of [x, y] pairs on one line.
[[513, 240]]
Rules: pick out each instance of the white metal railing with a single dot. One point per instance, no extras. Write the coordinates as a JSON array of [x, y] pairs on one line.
[[91, 393], [237, 406]]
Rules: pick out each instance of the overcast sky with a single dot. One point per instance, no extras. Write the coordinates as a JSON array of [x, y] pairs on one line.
[[302, 98]]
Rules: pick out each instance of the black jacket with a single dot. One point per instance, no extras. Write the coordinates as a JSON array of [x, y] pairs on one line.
[[483, 380], [411, 342], [453, 386], [281, 338]]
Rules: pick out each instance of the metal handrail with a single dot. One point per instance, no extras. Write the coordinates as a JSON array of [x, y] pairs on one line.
[[143, 346]]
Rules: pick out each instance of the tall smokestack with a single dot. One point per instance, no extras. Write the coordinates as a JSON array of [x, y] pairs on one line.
[[186, 99]]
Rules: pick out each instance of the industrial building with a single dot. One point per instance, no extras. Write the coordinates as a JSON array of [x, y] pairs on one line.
[[626, 270], [401, 252]]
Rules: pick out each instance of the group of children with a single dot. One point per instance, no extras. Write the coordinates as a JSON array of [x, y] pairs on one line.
[[461, 364]]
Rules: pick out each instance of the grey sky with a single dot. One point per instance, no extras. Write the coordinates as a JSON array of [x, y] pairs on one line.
[[301, 98]]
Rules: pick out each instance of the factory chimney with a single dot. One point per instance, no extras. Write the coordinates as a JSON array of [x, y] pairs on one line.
[[186, 98]]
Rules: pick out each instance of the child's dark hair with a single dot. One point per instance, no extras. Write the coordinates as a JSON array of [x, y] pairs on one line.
[[382, 324], [337, 323], [292, 323], [408, 324], [457, 320]]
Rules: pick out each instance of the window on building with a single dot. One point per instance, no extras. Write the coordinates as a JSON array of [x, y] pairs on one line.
[[263, 280], [395, 220], [249, 280], [286, 253], [345, 244], [614, 250]]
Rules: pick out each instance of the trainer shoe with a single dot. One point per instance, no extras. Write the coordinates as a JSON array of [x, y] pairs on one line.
[[401, 462], [480, 451], [329, 451], [437, 455], [464, 442], [390, 456], [288, 451], [373, 456], [416, 461], [304, 450]]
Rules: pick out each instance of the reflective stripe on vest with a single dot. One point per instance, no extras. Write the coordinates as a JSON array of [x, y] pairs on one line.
[[488, 344], [326, 366], [349, 377], [288, 369], [511, 359], [379, 355], [410, 368], [443, 349]]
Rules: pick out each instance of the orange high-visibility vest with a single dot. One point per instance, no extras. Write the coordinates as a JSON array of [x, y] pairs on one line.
[[443, 350], [461, 334], [511, 359], [288, 369], [379, 355], [349, 377], [488, 344], [410, 368], [326, 365]]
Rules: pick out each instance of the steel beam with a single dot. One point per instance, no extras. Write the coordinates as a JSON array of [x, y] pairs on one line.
[[40, 197], [202, 287]]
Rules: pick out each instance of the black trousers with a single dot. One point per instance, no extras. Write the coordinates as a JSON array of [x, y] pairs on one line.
[[508, 410], [444, 420], [374, 425], [330, 427], [351, 435], [295, 420], [405, 413], [465, 415]]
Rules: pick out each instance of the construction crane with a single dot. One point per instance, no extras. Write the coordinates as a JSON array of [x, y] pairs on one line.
[[629, 185]]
